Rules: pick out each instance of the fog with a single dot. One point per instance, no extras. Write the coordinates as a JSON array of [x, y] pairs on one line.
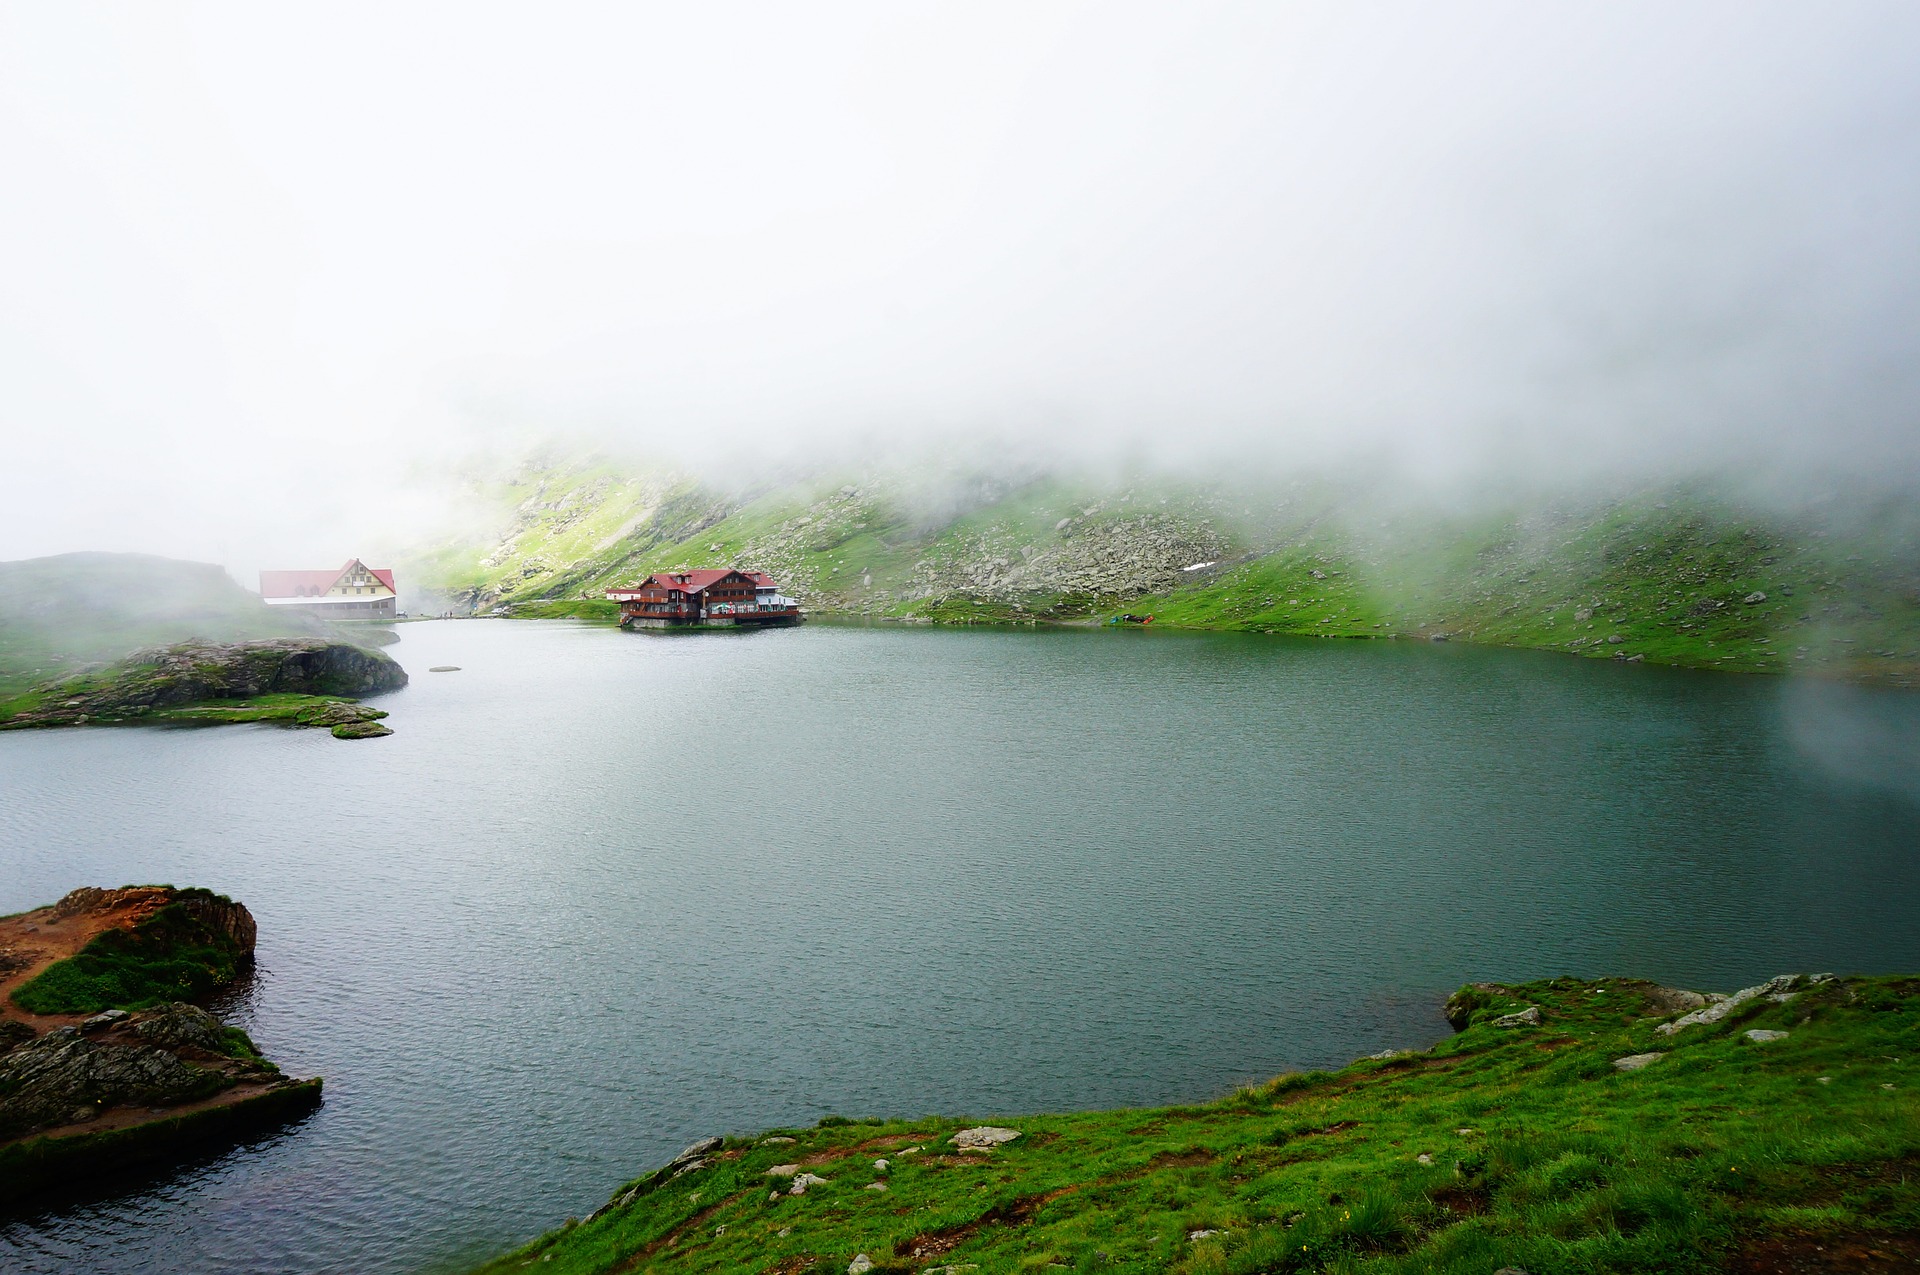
[[259, 265]]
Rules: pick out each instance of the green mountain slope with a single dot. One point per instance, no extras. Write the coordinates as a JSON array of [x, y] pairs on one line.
[[63, 613], [1680, 576]]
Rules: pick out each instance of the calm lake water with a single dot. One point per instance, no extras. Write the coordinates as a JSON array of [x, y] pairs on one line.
[[604, 893]]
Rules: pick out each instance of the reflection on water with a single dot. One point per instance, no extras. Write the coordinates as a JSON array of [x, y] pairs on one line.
[[604, 893]]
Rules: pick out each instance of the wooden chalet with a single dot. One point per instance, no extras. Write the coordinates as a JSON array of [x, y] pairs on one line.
[[714, 596]]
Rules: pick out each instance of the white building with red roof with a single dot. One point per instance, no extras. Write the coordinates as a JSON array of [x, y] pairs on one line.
[[353, 592]]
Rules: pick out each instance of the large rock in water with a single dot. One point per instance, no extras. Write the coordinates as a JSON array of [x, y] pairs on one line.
[[192, 672]]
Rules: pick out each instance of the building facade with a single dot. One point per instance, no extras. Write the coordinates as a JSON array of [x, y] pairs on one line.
[[353, 592], [714, 596]]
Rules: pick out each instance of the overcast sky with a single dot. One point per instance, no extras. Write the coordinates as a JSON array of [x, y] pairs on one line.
[[258, 259]]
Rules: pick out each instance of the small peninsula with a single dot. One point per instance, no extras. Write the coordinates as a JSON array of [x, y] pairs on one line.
[[297, 681], [106, 1062], [1568, 1125]]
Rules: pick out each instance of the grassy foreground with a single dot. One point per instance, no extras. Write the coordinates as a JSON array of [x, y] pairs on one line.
[[1502, 1146]]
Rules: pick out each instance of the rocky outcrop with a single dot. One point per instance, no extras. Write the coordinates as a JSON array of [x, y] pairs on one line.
[[102, 1063], [983, 1137], [1779, 988], [1469, 1000], [199, 672], [179, 1026], [150, 944], [13, 1034], [216, 912], [67, 1078]]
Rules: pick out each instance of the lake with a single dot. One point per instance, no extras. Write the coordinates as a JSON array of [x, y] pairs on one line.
[[604, 893]]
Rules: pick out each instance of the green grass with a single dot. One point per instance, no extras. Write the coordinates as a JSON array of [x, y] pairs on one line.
[[1663, 581], [598, 610], [257, 708], [168, 956], [1543, 1156], [1661, 576]]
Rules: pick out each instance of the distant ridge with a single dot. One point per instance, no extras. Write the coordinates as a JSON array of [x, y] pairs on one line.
[[1693, 574], [61, 613]]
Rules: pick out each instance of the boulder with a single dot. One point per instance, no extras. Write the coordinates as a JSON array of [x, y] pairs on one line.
[[1528, 1017], [104, 1019], [1673, 1000], [1469, 1000], [1634, 1062], [361, 730], [1761, 1036], [1781, 985], [860, 1265], [180, 1025], [783, 1170], [802, 1181], [13, 1034], [331, 715], [983, 1137]]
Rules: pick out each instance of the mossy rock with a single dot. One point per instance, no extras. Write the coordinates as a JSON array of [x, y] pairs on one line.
[[331, 715], [360, 730]]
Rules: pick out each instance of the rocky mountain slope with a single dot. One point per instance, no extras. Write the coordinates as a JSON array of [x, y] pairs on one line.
[[1684, 575]]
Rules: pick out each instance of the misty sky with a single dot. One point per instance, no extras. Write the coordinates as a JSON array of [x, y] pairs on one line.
[[259, 262]]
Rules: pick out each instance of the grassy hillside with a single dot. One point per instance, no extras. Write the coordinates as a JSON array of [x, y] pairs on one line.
[[63, 613], [1678, 576], [1505, 1146], [1678, 580]]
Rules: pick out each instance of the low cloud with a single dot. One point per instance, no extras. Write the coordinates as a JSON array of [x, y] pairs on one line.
[[257, 265]]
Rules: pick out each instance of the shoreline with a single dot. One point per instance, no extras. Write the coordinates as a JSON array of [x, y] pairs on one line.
[[1905, 677], [1609, 1125]]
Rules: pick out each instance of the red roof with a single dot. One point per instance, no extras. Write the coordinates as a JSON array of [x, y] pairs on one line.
[[313, 584], [698, 581]]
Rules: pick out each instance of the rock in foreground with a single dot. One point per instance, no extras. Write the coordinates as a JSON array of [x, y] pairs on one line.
[[104, 1060]]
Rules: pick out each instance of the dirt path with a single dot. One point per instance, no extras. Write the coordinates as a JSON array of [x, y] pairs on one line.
[[31, 941]]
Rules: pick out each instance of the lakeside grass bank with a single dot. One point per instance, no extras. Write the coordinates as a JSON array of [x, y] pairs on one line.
[[1522, 1146]]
